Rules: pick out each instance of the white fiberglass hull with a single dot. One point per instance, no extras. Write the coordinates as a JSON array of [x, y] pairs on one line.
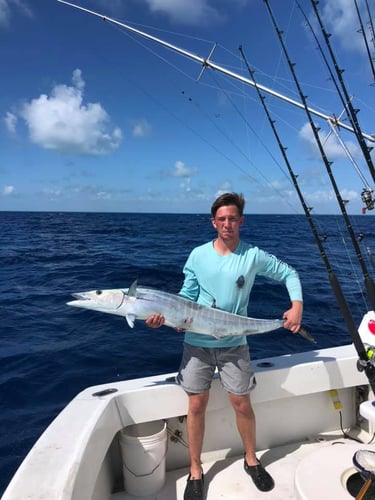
[[78, 456]]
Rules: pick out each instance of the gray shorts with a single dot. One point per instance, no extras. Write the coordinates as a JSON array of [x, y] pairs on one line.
[[198, 366]]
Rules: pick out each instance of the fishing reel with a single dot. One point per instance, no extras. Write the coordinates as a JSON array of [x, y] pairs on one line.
[[370, 354], [368, 199]]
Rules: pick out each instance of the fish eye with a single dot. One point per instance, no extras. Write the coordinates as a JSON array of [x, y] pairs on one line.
[[99, 292]]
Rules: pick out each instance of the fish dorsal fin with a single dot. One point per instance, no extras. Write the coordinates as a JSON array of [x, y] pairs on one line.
[[133, 289], [130, 318]]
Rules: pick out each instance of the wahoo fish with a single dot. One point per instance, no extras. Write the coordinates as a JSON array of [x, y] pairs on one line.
[[179, 313]]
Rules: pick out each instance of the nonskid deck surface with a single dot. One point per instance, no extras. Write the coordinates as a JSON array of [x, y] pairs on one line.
[[225, 479]]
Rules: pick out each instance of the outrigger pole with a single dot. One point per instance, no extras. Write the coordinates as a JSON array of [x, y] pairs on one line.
[[207, 63]]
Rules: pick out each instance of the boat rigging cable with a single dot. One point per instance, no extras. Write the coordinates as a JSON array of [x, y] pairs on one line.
[[364, 362], [340, 298], [207, 63], [367, 193]]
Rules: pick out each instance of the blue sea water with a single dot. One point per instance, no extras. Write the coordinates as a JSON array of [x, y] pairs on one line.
[[49, 351]]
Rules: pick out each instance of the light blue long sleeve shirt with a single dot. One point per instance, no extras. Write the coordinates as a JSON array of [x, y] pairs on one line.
[[225, 281]]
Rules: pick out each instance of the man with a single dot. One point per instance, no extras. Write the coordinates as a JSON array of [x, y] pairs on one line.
[[221, 273]]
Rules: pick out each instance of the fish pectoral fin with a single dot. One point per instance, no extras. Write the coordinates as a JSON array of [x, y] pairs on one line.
[[130, 318]]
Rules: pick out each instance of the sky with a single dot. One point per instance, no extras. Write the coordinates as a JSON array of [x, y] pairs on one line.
[[93, 118]]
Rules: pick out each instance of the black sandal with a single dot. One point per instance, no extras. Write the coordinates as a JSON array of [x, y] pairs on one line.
[[262, 480], [194, 489]]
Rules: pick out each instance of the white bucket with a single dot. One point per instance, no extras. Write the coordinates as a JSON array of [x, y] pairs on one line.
[[143, 449]]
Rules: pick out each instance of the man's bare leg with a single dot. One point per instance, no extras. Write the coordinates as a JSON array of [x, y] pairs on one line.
[[245, 419], [195, 429]]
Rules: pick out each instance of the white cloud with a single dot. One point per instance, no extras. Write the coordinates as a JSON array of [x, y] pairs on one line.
[[349, 194], [103, 195], [181, 170], [10, 121], [141, 129], [7, 7], [63, 122], [332, 146], [52, 193], [4, 12], [8, 190], [341, 19], [185, 11], [226, 187], [327, 196]]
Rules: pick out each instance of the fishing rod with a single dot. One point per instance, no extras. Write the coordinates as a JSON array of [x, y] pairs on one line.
[[352, 113], [207, 63], [368, 281], [367, 192], [369, 284], [340, 298], [363, 31], [363, 363]]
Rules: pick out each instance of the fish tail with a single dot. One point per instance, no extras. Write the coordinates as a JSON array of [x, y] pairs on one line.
[[306, 335]]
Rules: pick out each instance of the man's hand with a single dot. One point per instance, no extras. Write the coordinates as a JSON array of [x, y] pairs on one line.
[[155, 321], [293, 316]]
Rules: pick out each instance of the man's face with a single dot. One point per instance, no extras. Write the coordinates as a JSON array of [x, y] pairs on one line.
[[227, 222]]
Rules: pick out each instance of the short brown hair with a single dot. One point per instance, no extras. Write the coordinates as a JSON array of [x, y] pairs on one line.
[[229, 199]]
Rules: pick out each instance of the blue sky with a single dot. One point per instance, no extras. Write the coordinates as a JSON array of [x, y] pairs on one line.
[[95, 119]]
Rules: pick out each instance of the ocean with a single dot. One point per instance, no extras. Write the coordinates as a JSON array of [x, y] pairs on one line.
[[50, 352]]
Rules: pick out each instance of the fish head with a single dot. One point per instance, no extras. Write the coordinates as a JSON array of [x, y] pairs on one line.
[[99, 300]]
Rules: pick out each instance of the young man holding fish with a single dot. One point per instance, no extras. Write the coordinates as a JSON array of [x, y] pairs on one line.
[[221, 274]]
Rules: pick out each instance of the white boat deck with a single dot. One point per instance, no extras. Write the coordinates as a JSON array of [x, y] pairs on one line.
[[226, 479]]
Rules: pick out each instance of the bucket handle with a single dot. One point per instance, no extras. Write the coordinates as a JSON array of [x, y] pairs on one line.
[[148, 473]]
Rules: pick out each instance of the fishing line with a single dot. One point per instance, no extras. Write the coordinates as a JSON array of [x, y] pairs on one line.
[[191, 129], [163, 59], [207, 63], [248, 124], [269, 184], [351, 112], [152, 97], [137, 41], [364, 35], [283, 149], [293, 176], [264, 145], [346, 103], [351, 274], [371, 25]]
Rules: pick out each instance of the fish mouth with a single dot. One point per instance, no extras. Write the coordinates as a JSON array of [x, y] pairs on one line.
[[88, 301], [79, 296]]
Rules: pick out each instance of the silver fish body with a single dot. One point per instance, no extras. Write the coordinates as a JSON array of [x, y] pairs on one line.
[[179, 312]]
